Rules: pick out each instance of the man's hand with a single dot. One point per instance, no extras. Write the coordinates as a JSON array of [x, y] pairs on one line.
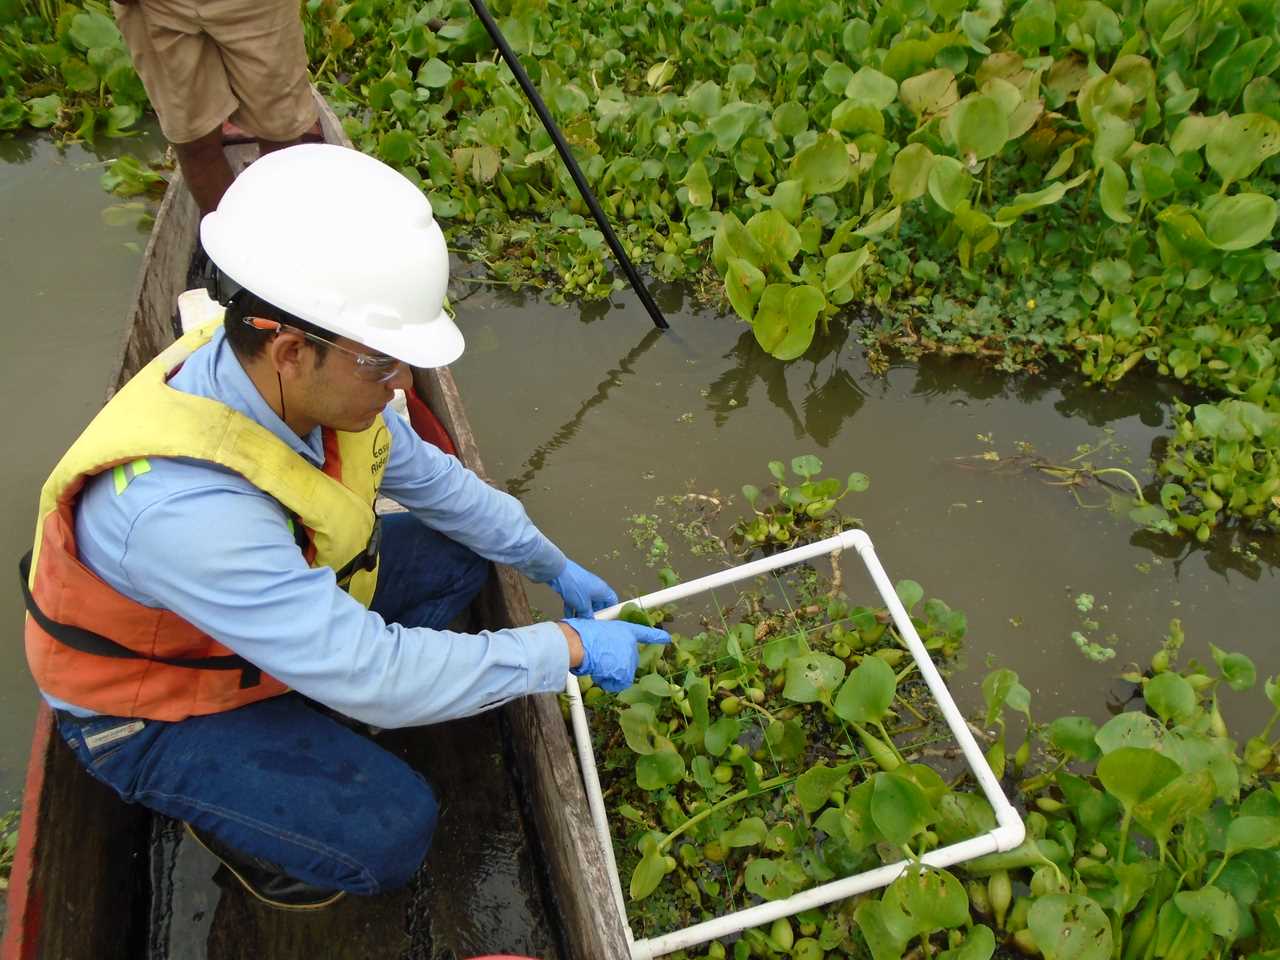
[[609, 654], [582, 591]]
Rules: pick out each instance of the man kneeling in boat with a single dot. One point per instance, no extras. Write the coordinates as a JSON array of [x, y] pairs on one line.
[[208, 566]]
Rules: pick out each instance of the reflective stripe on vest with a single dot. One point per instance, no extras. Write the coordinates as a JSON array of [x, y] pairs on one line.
[[127, 659]]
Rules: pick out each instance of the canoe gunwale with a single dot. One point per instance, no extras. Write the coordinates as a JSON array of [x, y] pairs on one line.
[[80, 862]]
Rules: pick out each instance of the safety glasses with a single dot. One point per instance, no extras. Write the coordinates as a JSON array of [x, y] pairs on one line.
[[370, 368]]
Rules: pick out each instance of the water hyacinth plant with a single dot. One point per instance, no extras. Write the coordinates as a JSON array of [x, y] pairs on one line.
[[786, 743]]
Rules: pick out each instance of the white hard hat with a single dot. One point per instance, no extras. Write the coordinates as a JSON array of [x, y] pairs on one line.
[[342, 241]]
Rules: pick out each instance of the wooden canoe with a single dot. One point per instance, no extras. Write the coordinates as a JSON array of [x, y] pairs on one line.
[[84, 884]]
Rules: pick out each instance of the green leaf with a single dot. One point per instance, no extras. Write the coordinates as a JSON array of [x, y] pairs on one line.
[[823, 166], [660, 769], [1127, 730], [806, 465], [698, 184], [930, 900], [78, 75], [1237, 669], [1193, 132], [785, 319], [779, 240], [1240, 221], [1035, 26], [1188, 796], [720, 735], [979, 943], [882, 927], [1134, 774], [1229, 75], [1113, 138], [1068, 926], [978, 126], [909, 592], [1112, 192], [704, 99], [880, 223], [788, 199], [859, 482], [1238, 145], [44, 111], [842, 267], [1030, 201], [1170, 696], [790, 119], [1215, 908], [899, 808], [434, 74], [648, 873], [639, 727], [749, 832], [872, 87], [868, 693], [909, 177], [1252, 833], [90, 30], [812, 677], [744, 284], [814, 786], [929, 93], [396, 147], [772, 880], [949, 183], [777, 652], [1074, 736]]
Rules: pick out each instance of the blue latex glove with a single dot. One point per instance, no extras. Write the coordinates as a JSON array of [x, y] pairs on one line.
[[610, 650], [582, 591]]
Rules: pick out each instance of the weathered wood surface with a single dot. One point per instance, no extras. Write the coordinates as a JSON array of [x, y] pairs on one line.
[[575, 862], [81, 885]]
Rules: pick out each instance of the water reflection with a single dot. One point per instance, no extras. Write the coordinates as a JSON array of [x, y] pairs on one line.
[[519, 485], [711, 409]]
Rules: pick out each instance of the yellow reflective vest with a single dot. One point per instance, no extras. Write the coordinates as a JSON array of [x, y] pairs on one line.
[[90, 645]]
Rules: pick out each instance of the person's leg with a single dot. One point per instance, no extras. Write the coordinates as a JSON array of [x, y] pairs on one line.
[[276, 780], [205, 169], [264, 53], [182, 70], [424, 578]]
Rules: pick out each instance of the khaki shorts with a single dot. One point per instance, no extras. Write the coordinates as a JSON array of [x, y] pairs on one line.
[[206, 61]]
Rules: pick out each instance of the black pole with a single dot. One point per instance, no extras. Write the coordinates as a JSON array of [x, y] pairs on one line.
[[522, 78]]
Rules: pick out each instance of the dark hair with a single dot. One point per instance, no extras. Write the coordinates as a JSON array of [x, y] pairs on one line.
[[248, 341]]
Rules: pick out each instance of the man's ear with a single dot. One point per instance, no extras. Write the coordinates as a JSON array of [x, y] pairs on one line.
[[285, 352]]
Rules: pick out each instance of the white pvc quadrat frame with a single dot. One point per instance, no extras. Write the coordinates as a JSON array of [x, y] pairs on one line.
[[1008, 833]]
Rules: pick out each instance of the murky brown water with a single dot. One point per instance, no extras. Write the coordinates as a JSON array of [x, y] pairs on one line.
[[67, 279], [590, 417]]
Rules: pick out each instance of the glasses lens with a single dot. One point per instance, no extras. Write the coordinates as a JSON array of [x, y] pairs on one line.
[[376, 369]]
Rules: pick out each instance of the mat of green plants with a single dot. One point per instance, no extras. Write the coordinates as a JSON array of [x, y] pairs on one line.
[[1032, 181], [784, 739]]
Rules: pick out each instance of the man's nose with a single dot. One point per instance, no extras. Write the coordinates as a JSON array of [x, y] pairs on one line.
[[403, 378]]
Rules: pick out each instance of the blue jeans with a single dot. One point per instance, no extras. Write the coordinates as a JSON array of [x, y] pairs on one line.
[[284, 781]]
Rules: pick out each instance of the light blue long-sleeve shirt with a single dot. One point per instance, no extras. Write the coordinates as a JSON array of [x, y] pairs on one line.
[[202, 541]]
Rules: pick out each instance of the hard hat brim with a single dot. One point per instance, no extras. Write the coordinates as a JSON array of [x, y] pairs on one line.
[[436, 343]]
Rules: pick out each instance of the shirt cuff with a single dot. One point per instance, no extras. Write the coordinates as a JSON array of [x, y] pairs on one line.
[[547, 563], [547, 656]]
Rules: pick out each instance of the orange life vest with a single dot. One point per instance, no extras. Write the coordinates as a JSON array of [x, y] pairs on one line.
[[89, 645]]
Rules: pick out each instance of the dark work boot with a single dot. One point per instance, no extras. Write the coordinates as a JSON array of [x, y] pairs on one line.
[[264, 880]]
